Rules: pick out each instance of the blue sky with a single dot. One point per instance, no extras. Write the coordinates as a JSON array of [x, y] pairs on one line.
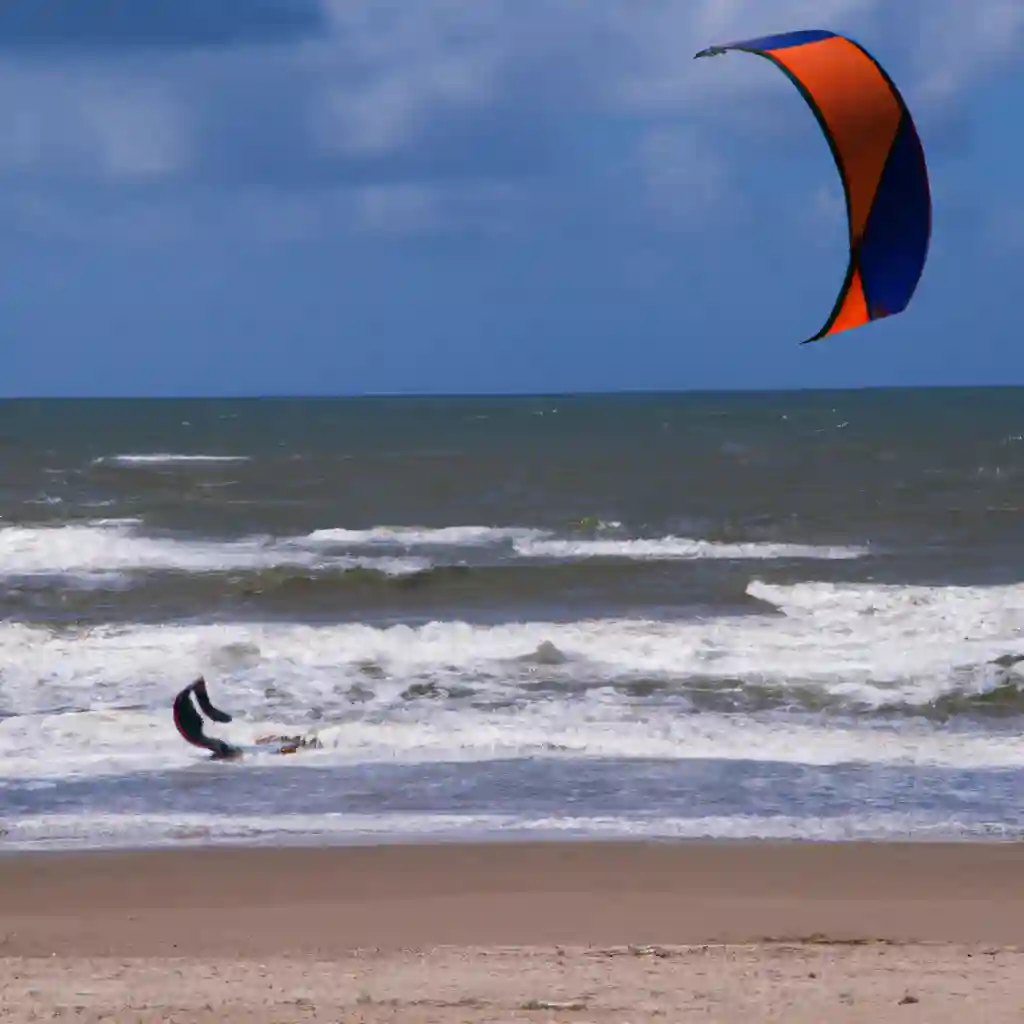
[[339, 196]]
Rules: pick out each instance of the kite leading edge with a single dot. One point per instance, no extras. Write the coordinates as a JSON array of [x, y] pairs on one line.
[[879, 158]]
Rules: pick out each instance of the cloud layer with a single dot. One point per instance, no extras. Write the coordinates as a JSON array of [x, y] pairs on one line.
[[63, 26], [413, 116]]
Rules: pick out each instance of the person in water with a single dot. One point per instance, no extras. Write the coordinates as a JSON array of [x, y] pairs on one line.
[[190, 724]]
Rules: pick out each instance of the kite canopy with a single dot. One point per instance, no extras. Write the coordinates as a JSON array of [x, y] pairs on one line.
[[879, 157]]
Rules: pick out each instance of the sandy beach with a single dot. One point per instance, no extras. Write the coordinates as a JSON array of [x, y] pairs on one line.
[[516, 932]]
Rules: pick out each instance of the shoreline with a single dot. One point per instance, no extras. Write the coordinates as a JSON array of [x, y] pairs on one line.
[[484, 839]]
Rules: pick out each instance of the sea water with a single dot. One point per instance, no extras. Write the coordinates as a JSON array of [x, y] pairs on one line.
[[731, 615]]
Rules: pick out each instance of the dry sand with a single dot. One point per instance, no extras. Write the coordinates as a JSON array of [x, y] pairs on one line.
[[581, 932]]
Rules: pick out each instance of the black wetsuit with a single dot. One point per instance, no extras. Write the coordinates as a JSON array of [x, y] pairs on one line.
[[189, 723]]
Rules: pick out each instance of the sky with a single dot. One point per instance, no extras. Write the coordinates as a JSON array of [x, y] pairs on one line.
[[217, 197]]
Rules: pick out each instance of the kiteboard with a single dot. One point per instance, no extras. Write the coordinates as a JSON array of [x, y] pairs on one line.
[[274, 746]]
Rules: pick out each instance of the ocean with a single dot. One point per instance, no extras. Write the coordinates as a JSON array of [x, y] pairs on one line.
[[662, 615]]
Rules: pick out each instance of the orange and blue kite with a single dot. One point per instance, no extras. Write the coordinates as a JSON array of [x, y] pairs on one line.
[[879, 157]]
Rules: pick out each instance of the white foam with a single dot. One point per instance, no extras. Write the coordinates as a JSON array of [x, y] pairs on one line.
[[107, 546], [421, 536], [529, 542], [98, 830], [112, 742], [888, 644], [900, 641], [992, 609], [663, 548], [160, 458], [861, 644]]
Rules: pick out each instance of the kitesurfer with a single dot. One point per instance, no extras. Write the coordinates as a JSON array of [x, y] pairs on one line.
[[189, 723]]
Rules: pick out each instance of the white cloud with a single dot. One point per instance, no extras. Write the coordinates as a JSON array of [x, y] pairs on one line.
[[962, 42], [396, 208], [657, 73], [638, 57], [377, 106], [684, 177], [390, 110], [134, 134], [415, 209], [90, 123], [389, 65]]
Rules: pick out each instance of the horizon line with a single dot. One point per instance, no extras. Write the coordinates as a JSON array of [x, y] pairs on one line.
[[463, 395]]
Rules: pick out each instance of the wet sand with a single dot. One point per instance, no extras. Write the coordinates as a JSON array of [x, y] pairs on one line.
[[519, 931]]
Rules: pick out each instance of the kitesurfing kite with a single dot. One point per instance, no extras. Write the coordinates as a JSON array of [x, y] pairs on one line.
[[880, 160]]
